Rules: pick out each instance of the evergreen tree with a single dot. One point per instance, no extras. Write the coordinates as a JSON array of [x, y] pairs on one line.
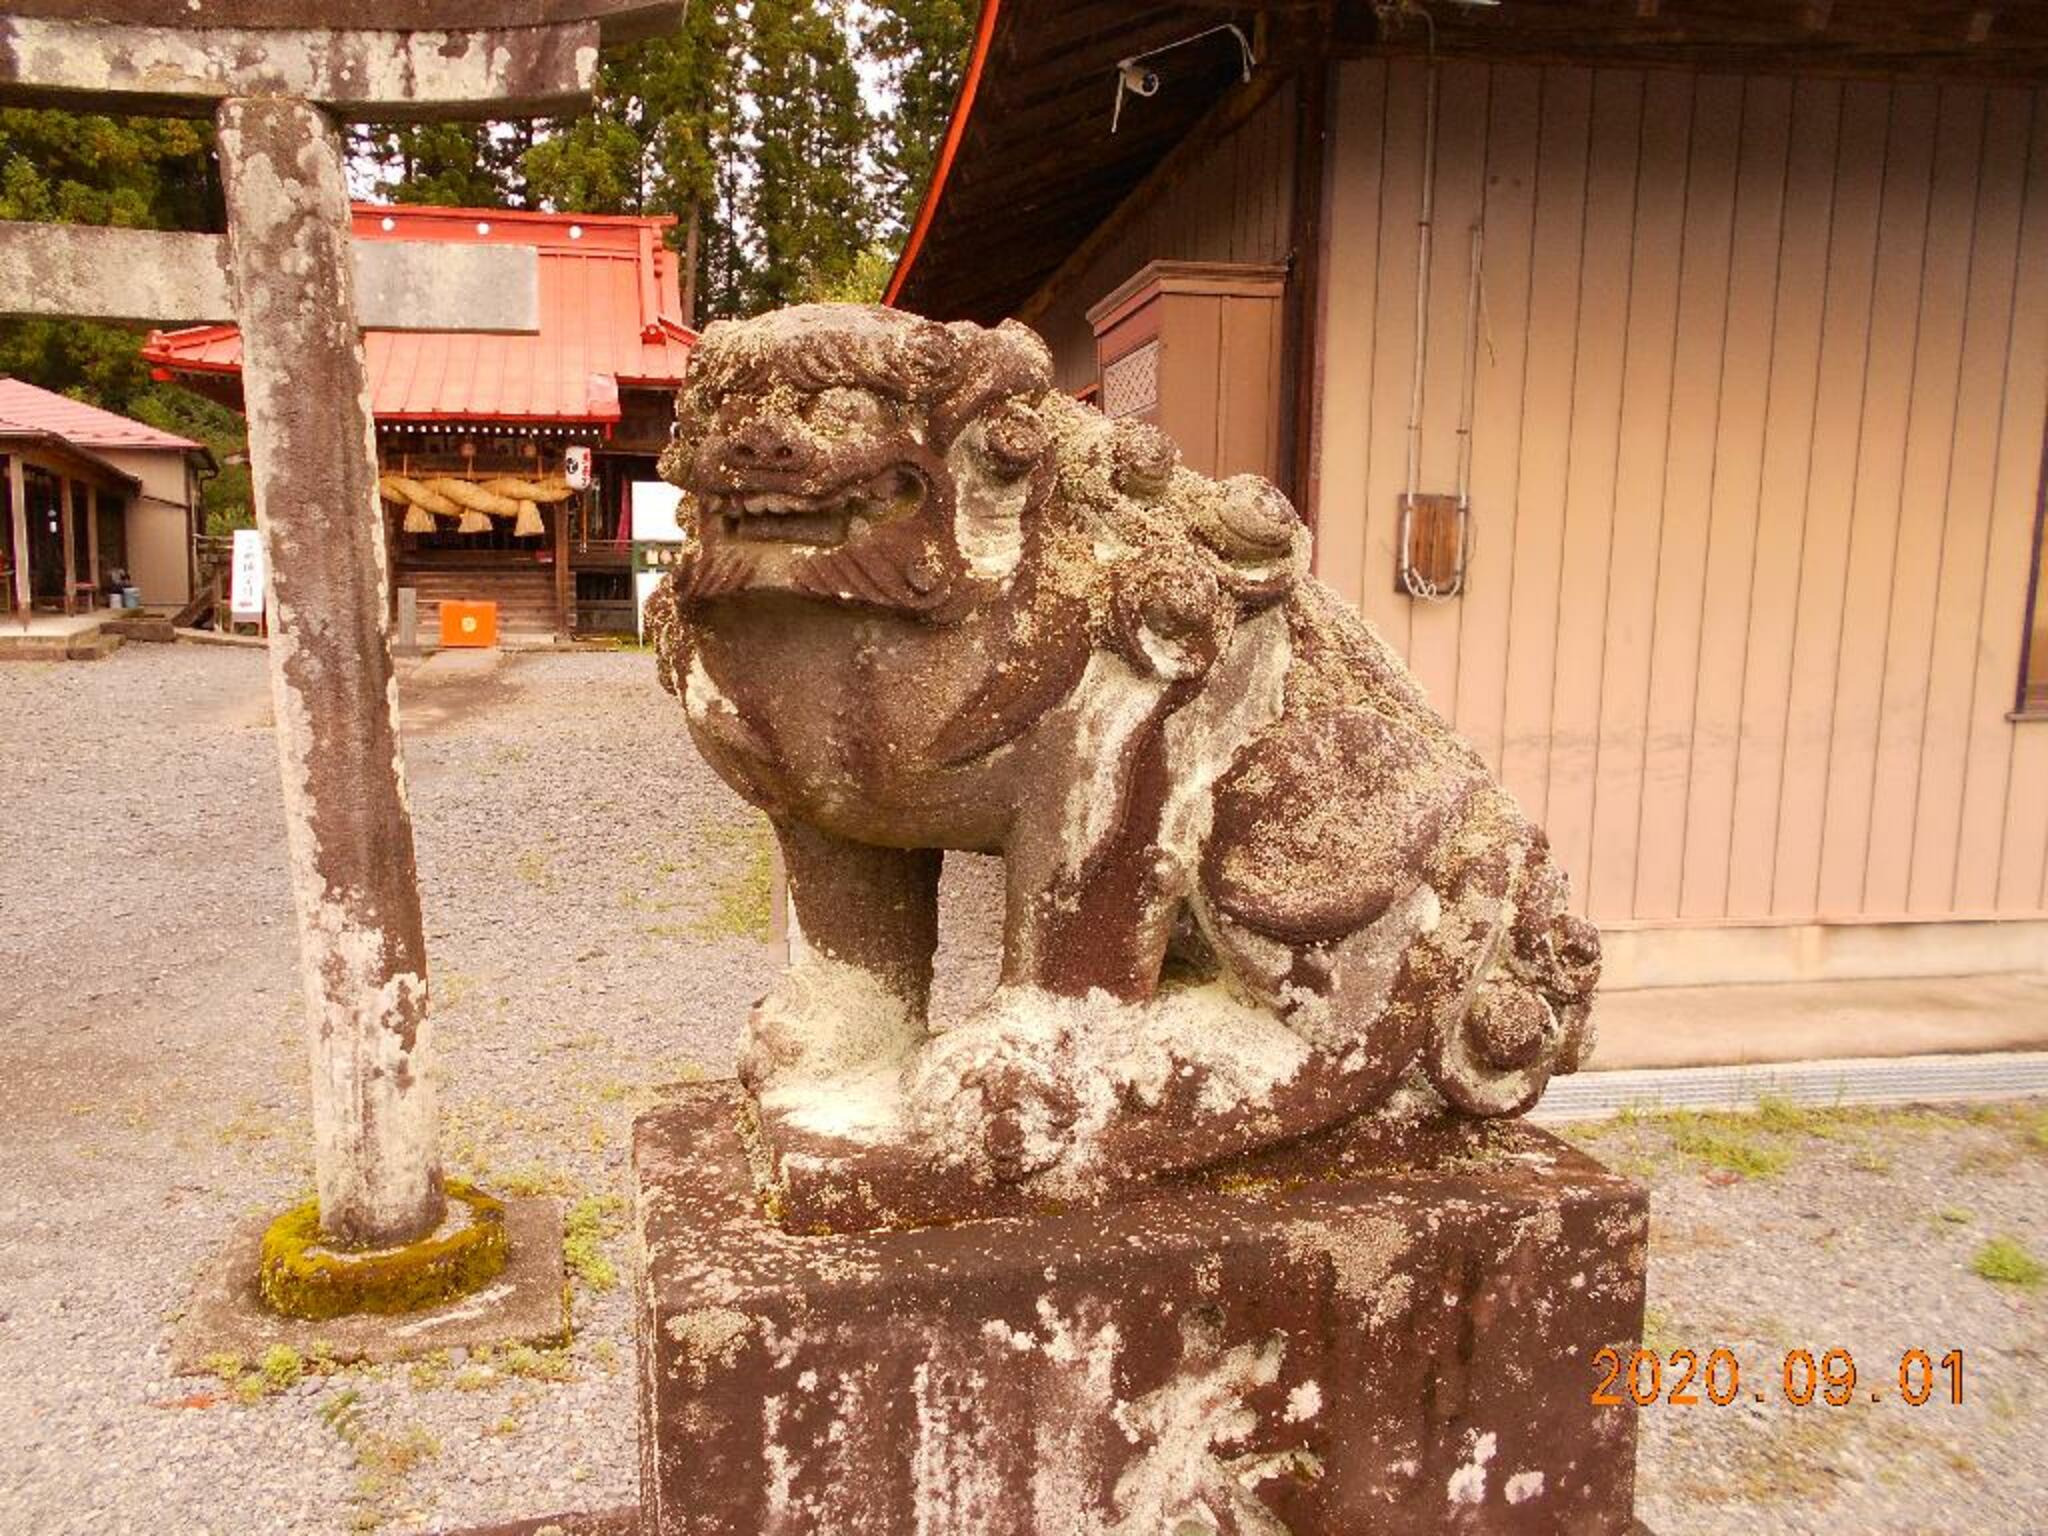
[[921, 46], [808, 207], [663, 126], [443, 165]]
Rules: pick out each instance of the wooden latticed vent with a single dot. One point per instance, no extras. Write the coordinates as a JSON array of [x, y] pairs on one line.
[[1434, 547]]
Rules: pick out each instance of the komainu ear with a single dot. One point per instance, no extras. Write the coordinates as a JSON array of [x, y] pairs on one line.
[[1167, 617], [1014, 438], [1007, 362]]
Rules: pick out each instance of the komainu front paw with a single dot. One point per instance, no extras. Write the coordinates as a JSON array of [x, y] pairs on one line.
[[999, 1092], [824, 1019], [1530, 1016]]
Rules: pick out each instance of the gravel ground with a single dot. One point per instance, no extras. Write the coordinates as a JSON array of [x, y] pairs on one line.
[[594, 905]]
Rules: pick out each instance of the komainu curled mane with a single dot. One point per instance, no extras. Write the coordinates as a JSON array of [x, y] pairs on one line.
[[1254, 885]]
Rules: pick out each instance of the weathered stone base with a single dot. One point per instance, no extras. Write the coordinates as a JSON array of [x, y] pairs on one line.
[[528, 1303], [1317, 1342]]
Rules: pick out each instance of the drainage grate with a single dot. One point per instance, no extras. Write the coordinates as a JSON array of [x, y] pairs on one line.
[[1848, 1080]]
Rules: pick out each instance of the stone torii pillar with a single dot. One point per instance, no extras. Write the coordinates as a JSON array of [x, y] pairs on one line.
[[278, 76]]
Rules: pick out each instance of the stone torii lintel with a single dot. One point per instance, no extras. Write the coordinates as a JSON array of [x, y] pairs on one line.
[[394, 60], [168, 277]]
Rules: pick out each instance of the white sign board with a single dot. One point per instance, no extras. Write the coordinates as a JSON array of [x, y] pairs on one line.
[[245, 596], [654, 522], [654, 510]]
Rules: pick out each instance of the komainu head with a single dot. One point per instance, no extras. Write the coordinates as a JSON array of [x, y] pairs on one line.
[[870, 457], [852, 452]]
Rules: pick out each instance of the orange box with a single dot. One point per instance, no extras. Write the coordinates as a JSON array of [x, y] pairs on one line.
[[469, 623]]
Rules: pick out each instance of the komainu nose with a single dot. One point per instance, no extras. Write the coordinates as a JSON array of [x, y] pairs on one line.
[[763, 444]]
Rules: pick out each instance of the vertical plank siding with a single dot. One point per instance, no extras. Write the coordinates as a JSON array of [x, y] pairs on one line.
[[1760, 407]]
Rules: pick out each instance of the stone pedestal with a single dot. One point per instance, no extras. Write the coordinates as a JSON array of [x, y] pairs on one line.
[[1387, 1330]]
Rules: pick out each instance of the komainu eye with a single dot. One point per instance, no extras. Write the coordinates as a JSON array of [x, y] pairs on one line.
[[843, 407]]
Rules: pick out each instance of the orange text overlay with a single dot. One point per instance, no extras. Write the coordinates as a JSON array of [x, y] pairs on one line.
[[1687, 1377]]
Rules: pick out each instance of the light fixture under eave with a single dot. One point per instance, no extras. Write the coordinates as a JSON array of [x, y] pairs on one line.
[[1132, 77]]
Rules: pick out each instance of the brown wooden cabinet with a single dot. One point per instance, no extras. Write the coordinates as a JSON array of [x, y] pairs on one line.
[[1194, 347]]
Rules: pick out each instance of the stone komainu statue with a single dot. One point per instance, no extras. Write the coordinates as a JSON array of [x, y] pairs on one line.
[[1254, 885]]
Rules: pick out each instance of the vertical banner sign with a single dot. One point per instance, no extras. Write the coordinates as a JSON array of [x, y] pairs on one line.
[[245, 596]]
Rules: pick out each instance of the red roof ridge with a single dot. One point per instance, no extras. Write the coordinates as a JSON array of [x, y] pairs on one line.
[[609, 297], [517, 215]]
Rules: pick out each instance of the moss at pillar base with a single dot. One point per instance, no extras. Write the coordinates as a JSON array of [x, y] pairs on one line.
[[301, 1276]]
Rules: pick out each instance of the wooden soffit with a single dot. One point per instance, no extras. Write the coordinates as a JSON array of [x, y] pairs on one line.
[[1035, 166], [1030, 168]]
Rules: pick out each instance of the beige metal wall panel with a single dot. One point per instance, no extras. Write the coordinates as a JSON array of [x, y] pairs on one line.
[[159, 550], [1761, 401], [1786, 466], [1513, 102], [1607, 883]]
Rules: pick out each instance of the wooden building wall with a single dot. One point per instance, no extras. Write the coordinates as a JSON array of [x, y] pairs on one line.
[[1233, 203], [1758, 439]]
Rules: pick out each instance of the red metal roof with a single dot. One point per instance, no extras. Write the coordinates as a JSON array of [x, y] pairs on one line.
[[609, 298], [25, 408]]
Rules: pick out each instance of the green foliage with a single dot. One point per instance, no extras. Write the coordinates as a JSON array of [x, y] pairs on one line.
[[588, 1223], [443, 165], [2005, 1261], [864, 282], [921, 46], [136, 172], [808, 203]]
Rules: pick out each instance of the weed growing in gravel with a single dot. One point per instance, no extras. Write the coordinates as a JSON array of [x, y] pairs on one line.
[[531, 867], [278, 1371], [588, 1223], [1730, 1143], [384, 1458], [1954, 1215], [281, 1368], [1658, 1336], [2005, 1261], [537, 1364], [226, 1366], [742, 897], [2033, 1128], [532, 1179]]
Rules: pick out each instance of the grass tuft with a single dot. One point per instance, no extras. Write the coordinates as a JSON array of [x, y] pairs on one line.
[[584, 1228], [2005, 1261]]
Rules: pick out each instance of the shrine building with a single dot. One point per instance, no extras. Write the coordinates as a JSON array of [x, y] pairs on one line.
[[474, 430]]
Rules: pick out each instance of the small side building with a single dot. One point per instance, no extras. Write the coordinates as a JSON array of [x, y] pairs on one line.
[[1665, 381], [92, 496]]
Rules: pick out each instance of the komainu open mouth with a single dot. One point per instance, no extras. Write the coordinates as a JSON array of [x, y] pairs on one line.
[[823, 521]]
